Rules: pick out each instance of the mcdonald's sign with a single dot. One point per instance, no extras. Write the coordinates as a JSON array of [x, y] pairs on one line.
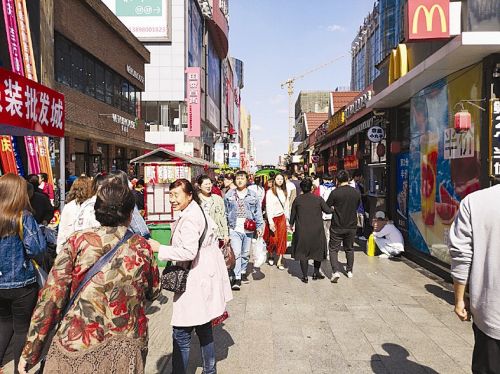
[[428, 19], [398, 63]]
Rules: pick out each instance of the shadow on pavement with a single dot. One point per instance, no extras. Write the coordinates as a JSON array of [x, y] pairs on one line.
[[257, 274], [397, 361], [441, 292], [161, 364]]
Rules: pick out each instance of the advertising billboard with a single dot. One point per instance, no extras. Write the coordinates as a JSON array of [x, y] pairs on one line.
[[214, 85], [193, 99], [195, 35], [428, 19], [234, 155], [439, 176], [148, 20]]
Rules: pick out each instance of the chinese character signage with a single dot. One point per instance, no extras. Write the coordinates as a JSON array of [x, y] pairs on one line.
[[193, 101], [428, 19], [495, 137], [9, 15], [458, 144], [403, 161], [28, 108]]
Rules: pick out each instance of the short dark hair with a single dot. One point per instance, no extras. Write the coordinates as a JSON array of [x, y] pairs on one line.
[[306, 185], [229, 176], [44, 176], [357, 173], [120, 175], [34, 180], [114, 204], [202, 178], [187, 188], [328, 177], [242, 172], [140, 182], [97, 182], [343, 176]]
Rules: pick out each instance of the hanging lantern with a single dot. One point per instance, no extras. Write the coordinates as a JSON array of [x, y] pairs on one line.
[[462, 121]]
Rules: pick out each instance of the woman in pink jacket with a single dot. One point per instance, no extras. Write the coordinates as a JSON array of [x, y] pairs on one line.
[[207, 289]]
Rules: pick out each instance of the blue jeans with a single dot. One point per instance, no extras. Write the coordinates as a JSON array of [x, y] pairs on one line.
[[240, 243], [182, 345]]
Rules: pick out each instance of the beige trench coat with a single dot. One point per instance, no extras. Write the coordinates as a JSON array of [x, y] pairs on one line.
[[208, 288]]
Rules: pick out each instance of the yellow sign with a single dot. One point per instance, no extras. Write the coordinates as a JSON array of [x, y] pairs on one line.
[[429, 15], [337, 120], [398, 64]]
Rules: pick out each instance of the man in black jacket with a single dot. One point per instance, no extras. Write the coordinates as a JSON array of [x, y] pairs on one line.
[[43, 211], [345, 201]]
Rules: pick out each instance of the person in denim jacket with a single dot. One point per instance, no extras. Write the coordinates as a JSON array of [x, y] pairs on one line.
[[18, 286], [242, 204]]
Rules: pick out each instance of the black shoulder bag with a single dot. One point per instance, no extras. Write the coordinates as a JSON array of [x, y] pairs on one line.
[[174, 277]]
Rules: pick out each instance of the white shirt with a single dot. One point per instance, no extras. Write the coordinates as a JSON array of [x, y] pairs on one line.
[[240, 221], [67, 223], [259, 191], [276, 205], [392, 235], [325, 193]]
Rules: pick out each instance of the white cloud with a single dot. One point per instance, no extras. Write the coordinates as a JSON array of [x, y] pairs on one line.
[[257, 128], [335, 28], [264, 142], [277, 99]]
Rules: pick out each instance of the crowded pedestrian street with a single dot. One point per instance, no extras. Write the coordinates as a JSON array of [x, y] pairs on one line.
[[392, 317]]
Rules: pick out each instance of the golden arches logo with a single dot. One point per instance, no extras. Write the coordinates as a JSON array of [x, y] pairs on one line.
[[429, 17]]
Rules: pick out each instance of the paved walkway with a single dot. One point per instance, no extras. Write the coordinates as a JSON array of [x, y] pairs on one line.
[[390, 318]]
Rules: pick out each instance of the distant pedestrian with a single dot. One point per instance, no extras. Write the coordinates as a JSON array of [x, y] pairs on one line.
[[278, 213], [207, 290], [345, 201], [21, 240], [388, 238], [475, 264], [213, 205], [258, 189], [324, 192], [229, 183], [105, 327], [357, 183], [81, 191], [244, 215], [309, 236], [43, 210], [296, 182], [290, 189], [46, 187], [138, 191]]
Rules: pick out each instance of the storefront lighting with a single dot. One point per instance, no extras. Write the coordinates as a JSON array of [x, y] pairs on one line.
[[462, 119]]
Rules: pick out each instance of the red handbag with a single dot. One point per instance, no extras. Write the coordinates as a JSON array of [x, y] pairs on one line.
[[250, 225]]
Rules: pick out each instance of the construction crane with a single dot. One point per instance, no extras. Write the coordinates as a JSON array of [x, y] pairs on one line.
[[289, 85]]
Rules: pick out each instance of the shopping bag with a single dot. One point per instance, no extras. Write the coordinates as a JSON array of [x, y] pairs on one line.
[[259, 252]]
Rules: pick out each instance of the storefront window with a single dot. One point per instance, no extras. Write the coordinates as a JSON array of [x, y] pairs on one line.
[[77, 77], [89, 77], [109, 87], [100, 84], [125, 96]]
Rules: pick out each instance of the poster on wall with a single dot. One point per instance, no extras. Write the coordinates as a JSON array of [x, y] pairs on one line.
[[214, 85], [439, 177], [234, 155], [402, 160], [195, 35]]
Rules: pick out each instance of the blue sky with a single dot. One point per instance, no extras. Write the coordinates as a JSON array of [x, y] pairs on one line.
[[278, 39]]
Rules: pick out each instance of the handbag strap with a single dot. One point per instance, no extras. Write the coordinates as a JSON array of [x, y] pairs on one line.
[[202, 237], [96, 268]]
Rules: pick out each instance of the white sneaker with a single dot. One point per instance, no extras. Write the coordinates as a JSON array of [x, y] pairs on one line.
[[349, 274], [362, 238], [271, 262], [383, 255], [335, 277]]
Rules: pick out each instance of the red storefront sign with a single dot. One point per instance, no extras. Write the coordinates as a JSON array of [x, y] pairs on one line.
[[351, 162], [28, 108], [428, 19]]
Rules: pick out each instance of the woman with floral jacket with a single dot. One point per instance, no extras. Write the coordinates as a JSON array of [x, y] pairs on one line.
[[107, 319]]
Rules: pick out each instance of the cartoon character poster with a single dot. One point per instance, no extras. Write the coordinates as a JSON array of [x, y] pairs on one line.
[[444, 165]]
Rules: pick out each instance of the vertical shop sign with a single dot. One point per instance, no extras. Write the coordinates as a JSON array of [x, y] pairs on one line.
[[234, 155], [495, 138], [403, 162], [458, 144], [9, 15], [219, 153], [25, 40], [193, 101]]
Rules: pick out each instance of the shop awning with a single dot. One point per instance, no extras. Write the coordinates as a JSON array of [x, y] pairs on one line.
[[464, 50], [164, 155]]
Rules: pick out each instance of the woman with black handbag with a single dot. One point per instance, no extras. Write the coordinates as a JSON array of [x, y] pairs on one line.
[[97, 292], [204, 290], [21, 240]]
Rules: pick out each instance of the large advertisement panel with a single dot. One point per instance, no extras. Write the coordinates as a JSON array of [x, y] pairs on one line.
[[195, 35], [214, 85], [149, 20], [234, 155], [444, 166], [403, 161], [193, 90]]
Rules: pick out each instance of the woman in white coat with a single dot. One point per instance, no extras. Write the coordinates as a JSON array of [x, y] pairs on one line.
[[207, 289]]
